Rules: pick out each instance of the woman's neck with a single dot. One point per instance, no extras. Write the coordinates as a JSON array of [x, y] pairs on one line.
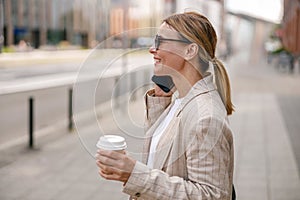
[[186, 79]]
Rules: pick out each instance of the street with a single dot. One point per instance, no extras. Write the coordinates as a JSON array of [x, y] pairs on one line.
[[49, 85]]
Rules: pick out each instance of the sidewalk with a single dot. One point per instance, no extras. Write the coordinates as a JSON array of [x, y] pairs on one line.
[[265, 164], [62, 166]]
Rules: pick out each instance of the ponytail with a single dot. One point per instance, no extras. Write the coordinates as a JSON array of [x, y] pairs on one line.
[[223, 85]]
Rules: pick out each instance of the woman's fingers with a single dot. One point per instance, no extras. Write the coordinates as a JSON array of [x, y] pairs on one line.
[[111, 173], [106, 169], [109, 176], [160, 93], [106, 161], [111, 154], [114, 165]]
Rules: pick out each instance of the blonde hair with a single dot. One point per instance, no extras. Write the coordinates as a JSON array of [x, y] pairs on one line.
[[197, 28]]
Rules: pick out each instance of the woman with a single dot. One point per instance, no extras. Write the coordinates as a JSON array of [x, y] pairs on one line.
[[189, 144]]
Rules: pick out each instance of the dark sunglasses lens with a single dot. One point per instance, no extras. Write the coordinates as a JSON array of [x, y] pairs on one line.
[[156, 42]]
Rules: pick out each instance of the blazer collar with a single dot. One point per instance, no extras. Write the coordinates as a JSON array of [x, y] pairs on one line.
[[151, 131], [204, 85]]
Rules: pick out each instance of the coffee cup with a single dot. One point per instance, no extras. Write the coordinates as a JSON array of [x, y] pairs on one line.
[[112, 142]]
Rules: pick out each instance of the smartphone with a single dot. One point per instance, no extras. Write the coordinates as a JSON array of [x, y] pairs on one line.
[[164, 82]]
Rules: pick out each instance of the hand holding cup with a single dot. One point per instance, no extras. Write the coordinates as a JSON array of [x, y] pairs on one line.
[[112, 160]]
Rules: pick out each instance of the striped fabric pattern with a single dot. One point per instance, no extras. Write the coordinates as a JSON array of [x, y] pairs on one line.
[[194, 157]]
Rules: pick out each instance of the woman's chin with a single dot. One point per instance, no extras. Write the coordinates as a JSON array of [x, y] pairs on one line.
[[157, 70], [159, 73]]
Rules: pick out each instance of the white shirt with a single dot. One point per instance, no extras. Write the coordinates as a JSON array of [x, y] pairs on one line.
[[159, 131]]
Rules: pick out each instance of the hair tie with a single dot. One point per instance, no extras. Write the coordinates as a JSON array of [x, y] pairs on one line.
[[214, 59]]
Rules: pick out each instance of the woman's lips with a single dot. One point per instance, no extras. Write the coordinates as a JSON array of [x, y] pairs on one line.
[[156, 60]]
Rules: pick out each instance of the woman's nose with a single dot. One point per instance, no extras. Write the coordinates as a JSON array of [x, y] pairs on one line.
[[152, 49]]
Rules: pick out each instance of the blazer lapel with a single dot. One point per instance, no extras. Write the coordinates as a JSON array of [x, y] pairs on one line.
[[203, 86], [150, 132], [165, 143]]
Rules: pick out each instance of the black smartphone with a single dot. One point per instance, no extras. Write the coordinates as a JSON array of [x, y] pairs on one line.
[[164, 82]]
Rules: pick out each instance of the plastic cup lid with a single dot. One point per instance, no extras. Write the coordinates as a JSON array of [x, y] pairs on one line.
[[111, 142]]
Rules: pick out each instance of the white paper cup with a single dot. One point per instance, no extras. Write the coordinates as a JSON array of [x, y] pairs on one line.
[[112, 142]]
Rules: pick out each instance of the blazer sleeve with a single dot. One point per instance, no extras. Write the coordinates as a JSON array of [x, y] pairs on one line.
[[155, 106], [208, 169]]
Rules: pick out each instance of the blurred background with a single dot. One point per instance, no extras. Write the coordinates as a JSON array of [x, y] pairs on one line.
[[51, 116]]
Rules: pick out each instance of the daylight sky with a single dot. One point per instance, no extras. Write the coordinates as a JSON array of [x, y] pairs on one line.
[[270, 10]]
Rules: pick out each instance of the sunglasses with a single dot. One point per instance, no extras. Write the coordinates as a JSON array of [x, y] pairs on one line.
[[158, 40]]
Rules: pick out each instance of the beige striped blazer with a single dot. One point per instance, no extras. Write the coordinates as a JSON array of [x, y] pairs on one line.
[[194, 157]]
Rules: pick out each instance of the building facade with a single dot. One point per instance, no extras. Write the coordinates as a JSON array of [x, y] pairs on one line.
[[291, 26], [80, 23], [75, 22]]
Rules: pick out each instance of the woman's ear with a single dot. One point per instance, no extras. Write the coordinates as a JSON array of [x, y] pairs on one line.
[[191, 51]]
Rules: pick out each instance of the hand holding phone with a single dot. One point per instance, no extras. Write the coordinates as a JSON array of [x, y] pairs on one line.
[[163, 82]]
